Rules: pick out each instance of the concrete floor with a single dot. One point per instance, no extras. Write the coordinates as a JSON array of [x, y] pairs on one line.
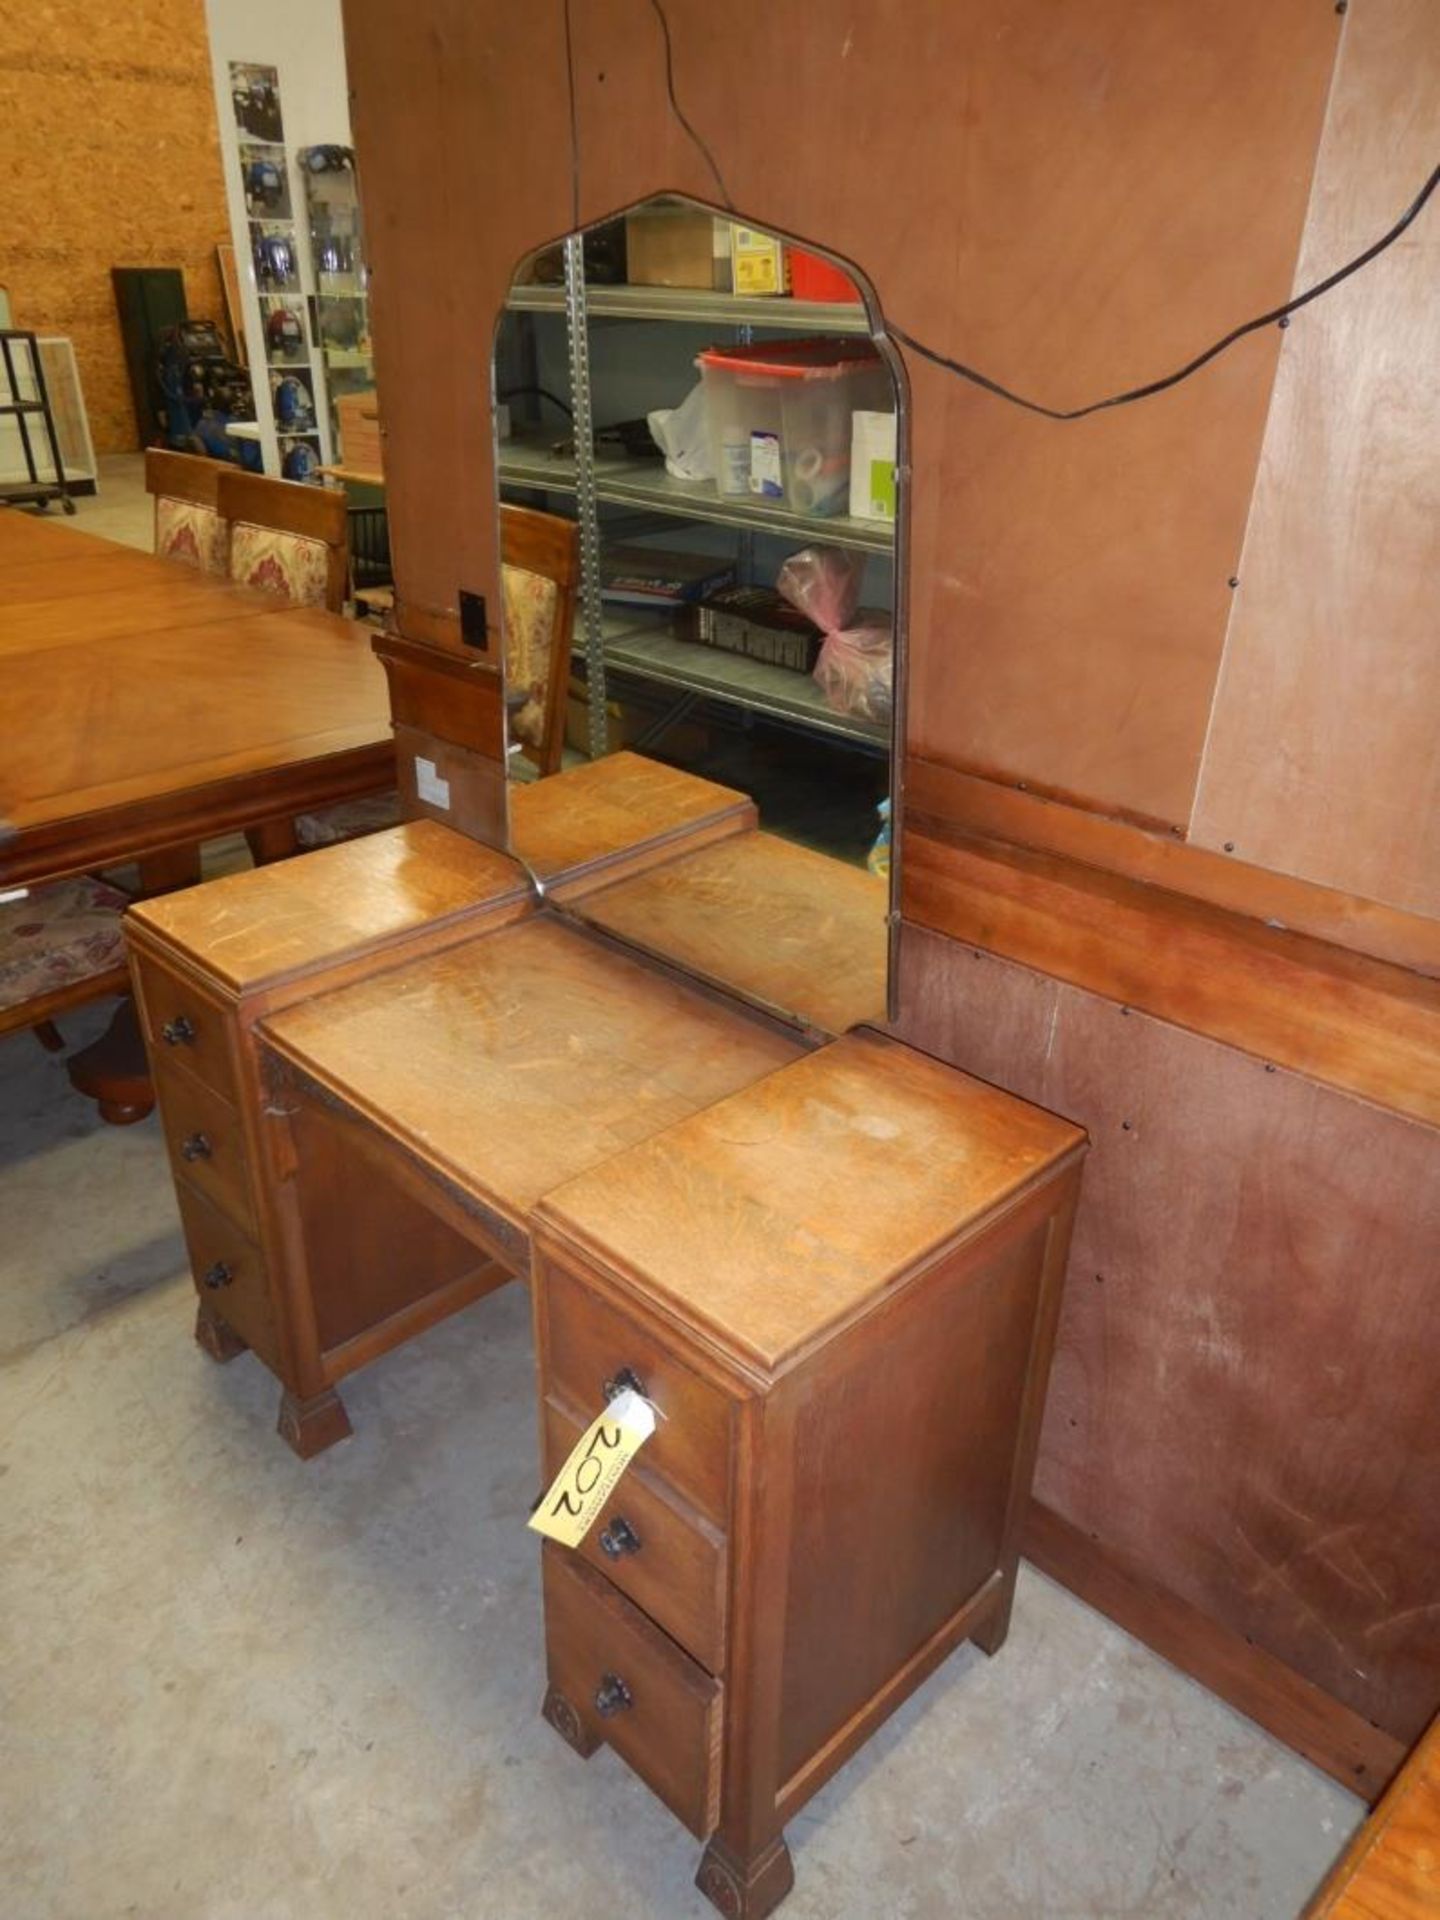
[[233, 1687], [239, 1688]]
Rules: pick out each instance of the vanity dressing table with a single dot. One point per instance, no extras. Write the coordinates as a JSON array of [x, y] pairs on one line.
[[640, 1066]]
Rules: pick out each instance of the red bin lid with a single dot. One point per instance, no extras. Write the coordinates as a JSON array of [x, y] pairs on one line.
[[819, 359]]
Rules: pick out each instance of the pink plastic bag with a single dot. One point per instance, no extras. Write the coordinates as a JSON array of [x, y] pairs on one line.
[[856, 668]]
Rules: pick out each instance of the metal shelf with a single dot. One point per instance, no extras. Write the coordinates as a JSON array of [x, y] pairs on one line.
[[650, 650], [698, 307], [645, 483]]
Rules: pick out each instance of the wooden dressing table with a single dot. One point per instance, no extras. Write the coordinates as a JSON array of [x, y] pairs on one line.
[[397, 1072]]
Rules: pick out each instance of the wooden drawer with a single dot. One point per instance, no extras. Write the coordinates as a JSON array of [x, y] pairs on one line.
[[229, 1271], [677, 1570], [669, 1725], [588, 1343], [184, 1027], [207, 1146]]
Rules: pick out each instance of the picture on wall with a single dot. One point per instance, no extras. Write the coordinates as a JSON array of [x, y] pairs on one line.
[[267, 189], [277, 269], [293, 401], [255, 96], [285, 342]]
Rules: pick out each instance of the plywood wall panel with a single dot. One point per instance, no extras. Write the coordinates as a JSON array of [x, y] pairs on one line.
[[1323, 759], [109, 157], [1050, 194], [1243, 1402]]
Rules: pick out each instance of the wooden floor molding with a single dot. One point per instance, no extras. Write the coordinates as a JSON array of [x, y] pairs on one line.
[[1330, 1735]]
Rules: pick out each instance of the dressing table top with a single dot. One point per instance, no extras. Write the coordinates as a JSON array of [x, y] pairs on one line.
[[517, 1059]]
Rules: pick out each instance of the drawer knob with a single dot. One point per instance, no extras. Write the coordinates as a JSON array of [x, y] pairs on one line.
[[178, 1032], [612, 1696], [219, 1275], [619, 1538], [197, 1147], [626, 1377]]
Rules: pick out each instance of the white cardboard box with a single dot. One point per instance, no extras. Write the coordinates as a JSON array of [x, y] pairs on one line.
[[872, 466]]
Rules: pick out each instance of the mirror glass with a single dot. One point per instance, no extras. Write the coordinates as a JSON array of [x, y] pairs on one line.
[[735, 612]]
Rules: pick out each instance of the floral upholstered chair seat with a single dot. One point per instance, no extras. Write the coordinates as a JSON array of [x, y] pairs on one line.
[[57, 936], [292, 566], [192, 534], [530, 601]]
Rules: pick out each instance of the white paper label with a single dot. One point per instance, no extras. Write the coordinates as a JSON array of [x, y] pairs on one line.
[[434, 791], [765, 465]]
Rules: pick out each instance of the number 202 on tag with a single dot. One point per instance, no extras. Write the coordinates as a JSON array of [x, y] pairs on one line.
[[570, 1504]]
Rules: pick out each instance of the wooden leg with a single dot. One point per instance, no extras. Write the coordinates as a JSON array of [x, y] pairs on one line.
[[272, 840], [568, 1724], [992, 1635], [744, 1889], [49, 1036], [310, 1426], [169, 870], [113, 1070], [220, 1341]]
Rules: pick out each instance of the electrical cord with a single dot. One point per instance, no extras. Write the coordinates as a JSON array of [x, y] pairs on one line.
[[1277, 316], [511, 393]]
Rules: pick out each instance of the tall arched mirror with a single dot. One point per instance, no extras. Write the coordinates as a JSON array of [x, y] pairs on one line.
[[706, 405]]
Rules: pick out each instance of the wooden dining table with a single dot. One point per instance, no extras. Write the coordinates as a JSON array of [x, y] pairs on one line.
[[146, 707]]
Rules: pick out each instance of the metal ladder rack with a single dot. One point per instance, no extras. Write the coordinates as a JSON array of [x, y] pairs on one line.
[[36, 490]]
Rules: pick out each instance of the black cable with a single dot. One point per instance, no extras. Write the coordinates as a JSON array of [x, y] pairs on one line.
[[544, 393], [679, 112], [1277, 315]]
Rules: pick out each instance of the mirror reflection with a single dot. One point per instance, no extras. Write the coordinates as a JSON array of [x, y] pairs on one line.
[[698, 413]]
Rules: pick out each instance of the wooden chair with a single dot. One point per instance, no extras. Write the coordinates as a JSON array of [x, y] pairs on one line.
[[539, 576], [60, 947], [189, 527], [286, 538]]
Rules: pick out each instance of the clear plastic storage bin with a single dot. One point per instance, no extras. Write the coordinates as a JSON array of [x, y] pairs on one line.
[[779, 418]]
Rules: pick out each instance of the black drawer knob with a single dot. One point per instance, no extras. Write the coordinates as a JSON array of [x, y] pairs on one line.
[[197, 1147], [626, 1377], [219, 1275], [619, 1538], [178, 1032], [612, 1696]]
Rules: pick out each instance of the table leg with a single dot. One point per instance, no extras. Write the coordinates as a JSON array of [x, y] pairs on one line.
[[272, 840], [113, 1070]]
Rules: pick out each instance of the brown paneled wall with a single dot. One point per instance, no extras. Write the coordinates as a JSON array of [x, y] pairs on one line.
[[109, 157], [1075, 200]]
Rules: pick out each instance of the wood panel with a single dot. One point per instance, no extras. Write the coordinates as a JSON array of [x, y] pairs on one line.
[[1294, 1709], [1018, 816], [1067, 223], [1322, 759], [1243, 1397], [1350, 1021], [92, 102]]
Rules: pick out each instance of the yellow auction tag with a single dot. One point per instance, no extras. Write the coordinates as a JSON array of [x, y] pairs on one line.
[[568, 1507]]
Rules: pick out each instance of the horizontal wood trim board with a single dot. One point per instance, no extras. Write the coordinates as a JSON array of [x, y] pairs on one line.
[[1026, 818], [1327, 1733], [1342, 1018]]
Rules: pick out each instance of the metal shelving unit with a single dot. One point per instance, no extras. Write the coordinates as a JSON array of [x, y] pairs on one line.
[[699, 308], [650, 651], [597, 477]]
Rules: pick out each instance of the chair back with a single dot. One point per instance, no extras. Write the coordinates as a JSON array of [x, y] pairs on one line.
[[539, 575], [286, 538], [189, 527]]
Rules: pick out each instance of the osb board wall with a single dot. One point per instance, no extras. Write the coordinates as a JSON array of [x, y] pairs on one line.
[[1324, 752], [1051, 194], [108, 158], [1243, 1400]]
